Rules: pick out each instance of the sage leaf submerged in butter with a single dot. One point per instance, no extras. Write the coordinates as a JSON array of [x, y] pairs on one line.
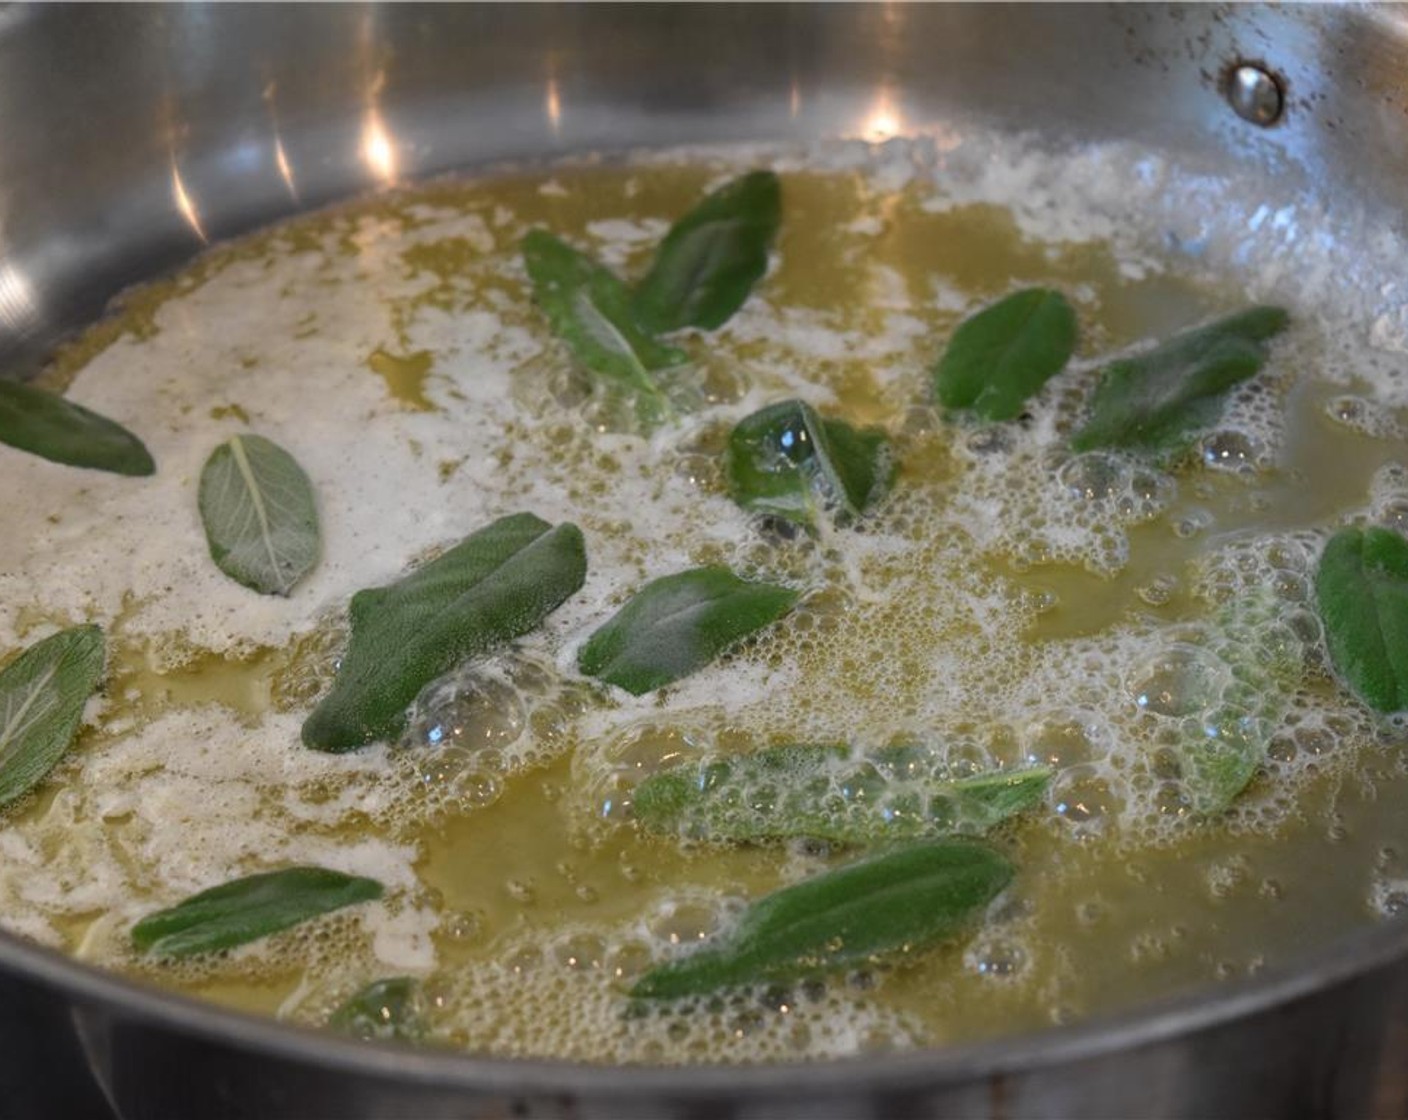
[[494, 586], [788, 461], [1361, 591], [382, 1011], [712, 257], [824, 792], [901, 901], [1154, 400], [247, 909], [48, 425], [589, 308], [259, 513], [677, 624], [1003, 354], [42, 695]]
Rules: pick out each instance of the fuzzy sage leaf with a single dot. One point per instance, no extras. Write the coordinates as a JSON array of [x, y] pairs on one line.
[[787, 461], [900, 902], [590, 310], [261, 521], [48, 425], [1156, 399], [712, 257], [677, 624], [1361, 591], [1003, 354], [492, 587], [247, 909], [1219, 694], [384, 1010], [42, 694], [827, 793]]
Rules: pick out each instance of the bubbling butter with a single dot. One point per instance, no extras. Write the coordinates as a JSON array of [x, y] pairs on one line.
[[1010, 604]]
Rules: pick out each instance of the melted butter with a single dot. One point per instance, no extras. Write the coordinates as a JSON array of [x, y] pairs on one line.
[[404, 375], [244, 684], [545, 903]]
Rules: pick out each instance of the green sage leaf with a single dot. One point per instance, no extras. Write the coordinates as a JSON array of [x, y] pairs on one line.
[[382, 1011], [827, 793], [590, 310], [247, 909], [56, 429], [712, 257], [1223, 694], [260, 518], [42, 694], [787, 461], [1003, 354], [677, 624], [1156, 399], [899, 902], [1361, 591], [492, 587]]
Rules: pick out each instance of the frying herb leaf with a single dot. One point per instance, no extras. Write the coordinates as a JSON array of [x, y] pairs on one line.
[[787, 461], [383, 1010], [42, 694], [1003, 354], [1361, 591], [824, 793], [590, 310], [677, 624], [260, 518], [1154, 400], [492, 587], [56, 429], [250, 908], [712, 257], [899, 902], [1224, 695]]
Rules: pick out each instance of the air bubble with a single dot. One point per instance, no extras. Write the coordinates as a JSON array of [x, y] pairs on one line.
[[1229, 451], [1094, 477], [1062, 739], [1085, 798], [998, 958], [1178, 682]]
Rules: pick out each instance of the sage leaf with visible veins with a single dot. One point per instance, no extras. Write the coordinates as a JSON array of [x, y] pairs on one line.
[[1156, 399], [1218, 697], [1361, 591], [382, 1011], [712, 257], [247, 909], [1003, 354], [56, 429], [677, 624], [261, 521], [899, 902], [590, 310], [827, 793], [42, 694], [787, 461], [492, 587]]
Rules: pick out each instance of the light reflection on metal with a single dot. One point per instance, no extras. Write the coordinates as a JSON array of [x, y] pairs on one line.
[[185, 204], [883, 120], [285, 170], [18, 307], [377, 149], [281, 160], [552, 105]]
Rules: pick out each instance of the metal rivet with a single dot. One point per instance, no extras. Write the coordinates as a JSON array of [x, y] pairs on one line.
[[1255, 95]]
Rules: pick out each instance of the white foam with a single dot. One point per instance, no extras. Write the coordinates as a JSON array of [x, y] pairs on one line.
[[911, 631]]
